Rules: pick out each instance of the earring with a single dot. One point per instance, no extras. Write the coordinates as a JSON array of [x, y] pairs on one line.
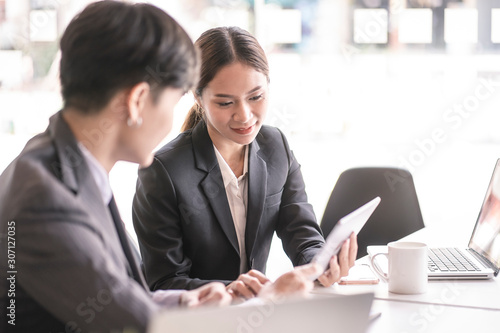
[[137, 123]]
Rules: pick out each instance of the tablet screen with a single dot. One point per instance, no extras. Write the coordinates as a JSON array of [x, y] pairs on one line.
[[350, 223]]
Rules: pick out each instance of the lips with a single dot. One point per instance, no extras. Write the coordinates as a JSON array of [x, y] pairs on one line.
[[244, 130]]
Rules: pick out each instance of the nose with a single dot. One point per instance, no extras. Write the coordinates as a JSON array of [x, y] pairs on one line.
[[243, 113]]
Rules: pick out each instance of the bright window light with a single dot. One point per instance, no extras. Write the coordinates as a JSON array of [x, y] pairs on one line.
[[460, 25], [495, 25], [283, 26], [415, 26], [43, 25], [370, 26], [11, 68]]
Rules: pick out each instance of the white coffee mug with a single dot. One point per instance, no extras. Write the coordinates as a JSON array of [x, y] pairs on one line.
[[407, 267]]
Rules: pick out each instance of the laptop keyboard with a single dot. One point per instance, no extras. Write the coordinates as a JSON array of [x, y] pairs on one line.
[[450, 260]]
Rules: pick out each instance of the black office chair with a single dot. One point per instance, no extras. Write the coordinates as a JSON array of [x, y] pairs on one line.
[[398, 214]]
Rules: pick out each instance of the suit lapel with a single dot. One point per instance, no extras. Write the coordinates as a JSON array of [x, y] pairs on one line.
[[213, 184], [73, 168], [76, 175], [257, 189]]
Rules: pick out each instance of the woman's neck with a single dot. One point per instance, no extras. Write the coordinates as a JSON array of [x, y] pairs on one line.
[[232, 152], [237, 164], [234, 155]]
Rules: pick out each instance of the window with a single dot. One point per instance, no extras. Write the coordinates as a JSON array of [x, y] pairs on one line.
[[461, 25], [2, 11]]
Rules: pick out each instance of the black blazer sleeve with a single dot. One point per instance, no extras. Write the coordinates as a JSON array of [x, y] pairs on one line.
[[158, 224], [297, 226]]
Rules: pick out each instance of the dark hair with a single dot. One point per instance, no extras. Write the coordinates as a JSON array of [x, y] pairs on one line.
[[220, 47], [113, 45]]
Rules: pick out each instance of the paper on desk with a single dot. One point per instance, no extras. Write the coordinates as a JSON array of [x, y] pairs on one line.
[[360, 274]]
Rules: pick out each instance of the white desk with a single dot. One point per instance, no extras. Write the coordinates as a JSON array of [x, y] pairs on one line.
[[484, 294], [406, 317], [447, 306]]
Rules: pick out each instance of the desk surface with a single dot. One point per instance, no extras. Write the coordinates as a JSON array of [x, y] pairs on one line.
[[447, 306], [406, 317], [482, 294]]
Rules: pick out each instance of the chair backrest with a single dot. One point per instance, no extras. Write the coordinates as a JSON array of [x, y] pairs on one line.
[[398, 214]]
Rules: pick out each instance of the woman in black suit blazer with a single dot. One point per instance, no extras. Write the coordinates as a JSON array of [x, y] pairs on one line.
[[208, 206]]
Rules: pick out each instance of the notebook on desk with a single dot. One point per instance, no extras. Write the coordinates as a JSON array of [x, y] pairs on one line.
[[320, 313], [481, 259]]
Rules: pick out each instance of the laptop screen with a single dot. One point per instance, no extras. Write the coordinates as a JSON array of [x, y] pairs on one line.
[[486, 236]]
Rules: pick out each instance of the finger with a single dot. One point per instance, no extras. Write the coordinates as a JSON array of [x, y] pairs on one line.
[[334, 270], [344, 258], [229, 289], [325, 280], [258, 275], [203, 296], [214, 294], [215, 299], [211, 293], [353, 249], [242, 290], [332, 275], [252, 283]]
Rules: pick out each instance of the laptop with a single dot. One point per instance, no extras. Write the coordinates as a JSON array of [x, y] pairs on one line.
[[481, 259], [319, 313]]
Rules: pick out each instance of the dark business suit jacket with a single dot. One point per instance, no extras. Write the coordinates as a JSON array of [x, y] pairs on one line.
[[71, 269], [183, 220]]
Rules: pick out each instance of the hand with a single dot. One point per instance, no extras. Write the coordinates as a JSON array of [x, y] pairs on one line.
[[340, 267], [247, 285], [295, 283], [214, 294]]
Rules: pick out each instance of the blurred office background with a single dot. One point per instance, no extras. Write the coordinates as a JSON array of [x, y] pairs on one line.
[[408, 83]]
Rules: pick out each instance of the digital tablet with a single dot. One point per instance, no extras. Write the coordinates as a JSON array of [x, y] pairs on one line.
[[350, 223]]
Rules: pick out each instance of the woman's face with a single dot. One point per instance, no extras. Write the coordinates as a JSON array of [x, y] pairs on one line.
[[235, 104]]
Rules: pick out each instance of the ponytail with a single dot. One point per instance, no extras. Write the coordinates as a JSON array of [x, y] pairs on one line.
[[193, 117]]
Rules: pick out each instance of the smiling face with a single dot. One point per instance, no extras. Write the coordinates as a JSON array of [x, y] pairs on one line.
[[235, 104]]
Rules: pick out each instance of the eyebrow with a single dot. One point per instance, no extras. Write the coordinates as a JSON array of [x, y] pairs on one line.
[[248, 93]]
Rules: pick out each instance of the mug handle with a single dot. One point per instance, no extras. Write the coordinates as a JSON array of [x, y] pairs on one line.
[[377, 268]]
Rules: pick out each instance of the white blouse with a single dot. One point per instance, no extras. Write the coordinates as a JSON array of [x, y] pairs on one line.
[[237, 196]]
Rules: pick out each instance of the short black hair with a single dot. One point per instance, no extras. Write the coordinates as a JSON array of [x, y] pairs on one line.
[[113, 45]]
